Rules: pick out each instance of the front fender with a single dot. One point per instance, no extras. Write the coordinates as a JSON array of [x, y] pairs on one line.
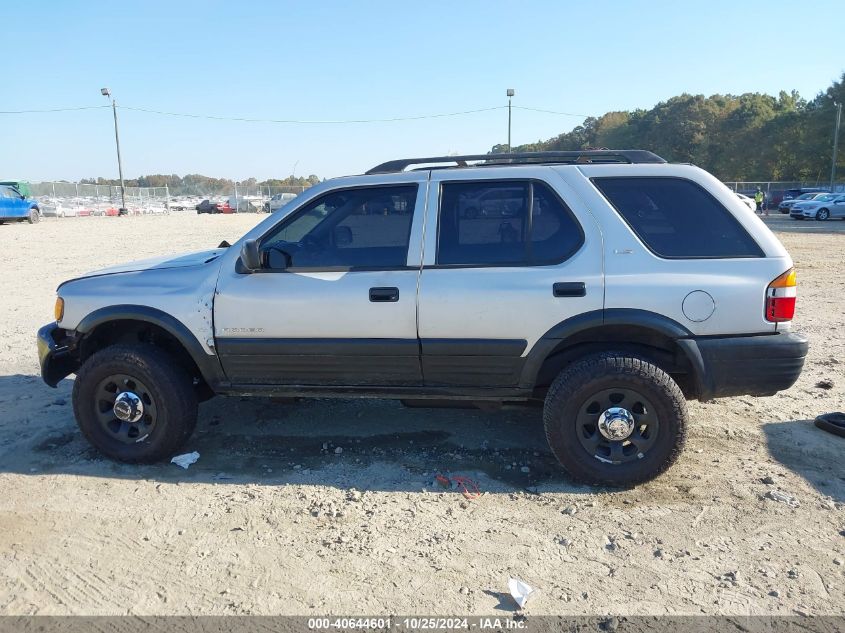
[[208, 364]]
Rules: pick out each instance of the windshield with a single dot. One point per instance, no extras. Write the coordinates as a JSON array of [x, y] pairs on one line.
[[807, 196]]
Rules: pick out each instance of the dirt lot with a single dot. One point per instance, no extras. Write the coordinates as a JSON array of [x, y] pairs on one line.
[[329, 506]]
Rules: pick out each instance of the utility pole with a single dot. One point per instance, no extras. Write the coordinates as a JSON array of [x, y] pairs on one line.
[[835, 145], [105, 92], [510, 96]]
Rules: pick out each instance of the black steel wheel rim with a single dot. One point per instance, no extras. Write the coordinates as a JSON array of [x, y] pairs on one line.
[[124, 431], [632, 448]]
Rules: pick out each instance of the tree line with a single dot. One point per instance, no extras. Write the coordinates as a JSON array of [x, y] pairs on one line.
[[750, 137], [197, 184]]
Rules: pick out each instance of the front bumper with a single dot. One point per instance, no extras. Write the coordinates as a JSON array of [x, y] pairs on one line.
[[758, 365], [56, 354]]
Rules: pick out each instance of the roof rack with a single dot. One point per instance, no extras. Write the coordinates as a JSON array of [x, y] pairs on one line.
[[492, 160]]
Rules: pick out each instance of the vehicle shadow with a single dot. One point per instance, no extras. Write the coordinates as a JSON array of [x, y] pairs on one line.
[[363, 444], [815, 455]]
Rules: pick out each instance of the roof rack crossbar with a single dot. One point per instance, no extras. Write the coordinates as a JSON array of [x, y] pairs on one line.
[[574, 157]]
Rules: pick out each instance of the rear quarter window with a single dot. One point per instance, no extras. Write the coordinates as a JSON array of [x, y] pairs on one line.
[[677, 218]]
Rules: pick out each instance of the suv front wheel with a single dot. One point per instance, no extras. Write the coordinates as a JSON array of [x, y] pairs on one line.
[[134, 403], [615, 419]]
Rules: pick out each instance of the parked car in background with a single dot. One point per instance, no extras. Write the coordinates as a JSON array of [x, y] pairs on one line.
[[277, 201], [206, 206], [51, 209], [775, 197], [791, 194], [824, 207], [749, 202], [246, 204], [786, 205], [16, 206], [183, 203]]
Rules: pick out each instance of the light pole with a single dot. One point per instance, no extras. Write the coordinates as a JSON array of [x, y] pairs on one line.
[[510, 95], [835, 145], [105, 92]]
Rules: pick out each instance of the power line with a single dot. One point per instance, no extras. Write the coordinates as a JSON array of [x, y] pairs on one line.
[[310, 121], [552, 112], [53, 110], [297, 121]]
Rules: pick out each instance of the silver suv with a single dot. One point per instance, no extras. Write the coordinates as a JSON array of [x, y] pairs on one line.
[[610, 289]]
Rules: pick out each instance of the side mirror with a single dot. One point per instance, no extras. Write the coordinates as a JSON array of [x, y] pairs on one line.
[[250, 256], [342, 236]]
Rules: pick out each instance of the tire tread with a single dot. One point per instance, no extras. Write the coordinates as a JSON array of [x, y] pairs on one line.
[[597, 366], [180, 406]]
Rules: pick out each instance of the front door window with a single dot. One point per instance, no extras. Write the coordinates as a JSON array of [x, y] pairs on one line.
[[367, 227]]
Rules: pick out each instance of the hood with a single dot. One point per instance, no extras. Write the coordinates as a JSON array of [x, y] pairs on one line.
[[157, 263]]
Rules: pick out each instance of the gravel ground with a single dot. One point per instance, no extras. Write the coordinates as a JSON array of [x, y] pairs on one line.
[[330, 506]]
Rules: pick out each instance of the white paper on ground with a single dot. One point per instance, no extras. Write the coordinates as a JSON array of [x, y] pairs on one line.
[[520, 591], [185, 460]]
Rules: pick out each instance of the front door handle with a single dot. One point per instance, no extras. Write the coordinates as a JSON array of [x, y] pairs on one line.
[[384, 295], [569, 289]]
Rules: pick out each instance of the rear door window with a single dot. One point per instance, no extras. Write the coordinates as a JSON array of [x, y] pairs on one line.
[[504, 223], [677, 218]]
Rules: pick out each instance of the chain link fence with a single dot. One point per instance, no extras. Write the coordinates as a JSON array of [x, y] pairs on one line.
[[775, 191], [68, 199], [257, 198]]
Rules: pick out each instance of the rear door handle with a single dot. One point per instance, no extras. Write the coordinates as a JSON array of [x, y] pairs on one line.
[[569, 289], [384, 295]]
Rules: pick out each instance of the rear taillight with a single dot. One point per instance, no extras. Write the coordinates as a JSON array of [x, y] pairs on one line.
[[780, 298]]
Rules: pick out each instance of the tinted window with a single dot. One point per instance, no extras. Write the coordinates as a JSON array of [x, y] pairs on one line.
[[367, 227], [677, 218], [488, 223]]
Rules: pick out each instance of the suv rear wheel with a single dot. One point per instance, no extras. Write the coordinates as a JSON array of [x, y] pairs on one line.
[[615, 419], [134, 403]]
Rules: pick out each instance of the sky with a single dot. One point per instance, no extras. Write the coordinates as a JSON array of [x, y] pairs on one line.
[[373, 59]]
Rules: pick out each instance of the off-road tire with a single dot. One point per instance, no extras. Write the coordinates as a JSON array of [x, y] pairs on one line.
[[168, 384], [578, 383]]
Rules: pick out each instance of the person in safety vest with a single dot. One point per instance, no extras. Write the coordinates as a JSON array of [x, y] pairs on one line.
[[758, 198]]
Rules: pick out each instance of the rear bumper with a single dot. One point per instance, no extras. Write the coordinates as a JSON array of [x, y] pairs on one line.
[[56, 354], [759, 365]]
